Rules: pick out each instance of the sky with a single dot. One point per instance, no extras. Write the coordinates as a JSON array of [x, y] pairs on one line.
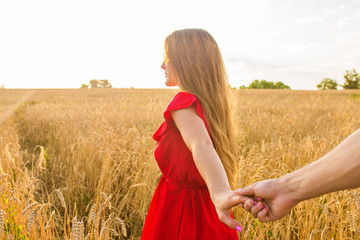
[[65, 43]]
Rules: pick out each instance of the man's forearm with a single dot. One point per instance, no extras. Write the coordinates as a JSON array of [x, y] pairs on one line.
[[337, 170]]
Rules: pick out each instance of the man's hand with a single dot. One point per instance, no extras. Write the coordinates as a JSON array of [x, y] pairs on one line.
[[273, 201]]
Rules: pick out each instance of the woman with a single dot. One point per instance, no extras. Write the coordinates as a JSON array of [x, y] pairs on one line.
[[195, 149]]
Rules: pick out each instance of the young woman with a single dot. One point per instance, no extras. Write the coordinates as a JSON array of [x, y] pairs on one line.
[[195, 146]]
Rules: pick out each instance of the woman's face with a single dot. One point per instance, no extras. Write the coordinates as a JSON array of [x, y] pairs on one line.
[[171, 81]]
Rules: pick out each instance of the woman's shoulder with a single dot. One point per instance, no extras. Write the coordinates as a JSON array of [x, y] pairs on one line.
[[182, 100]]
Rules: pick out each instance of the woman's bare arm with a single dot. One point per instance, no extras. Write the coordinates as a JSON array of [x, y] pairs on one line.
[[197, 139]]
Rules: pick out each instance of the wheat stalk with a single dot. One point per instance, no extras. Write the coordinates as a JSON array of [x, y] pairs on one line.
[[353, 223], [323, 233], [313, 232], [77, 229], [104, 229], [92, 215], [12, 194], [29, 207], [357, 200], [31, 219], [61, 197], [6, 175], [122, 225], [33, 183], [113, 232], [2, 222], [49, 221], [105, 204]]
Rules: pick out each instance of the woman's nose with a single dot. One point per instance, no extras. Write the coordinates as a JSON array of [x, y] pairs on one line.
[[163, 66]]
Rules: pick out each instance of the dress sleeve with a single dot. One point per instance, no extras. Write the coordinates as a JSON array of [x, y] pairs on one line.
[[180, 101]]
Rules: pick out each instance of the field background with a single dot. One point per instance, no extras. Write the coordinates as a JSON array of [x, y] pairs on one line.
[[79, 163]]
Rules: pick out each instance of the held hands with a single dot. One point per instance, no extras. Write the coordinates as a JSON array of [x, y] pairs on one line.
[[223, 202], [273, 200], [267, 200]]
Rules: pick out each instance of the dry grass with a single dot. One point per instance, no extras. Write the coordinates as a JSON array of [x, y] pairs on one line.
[[62, 150]]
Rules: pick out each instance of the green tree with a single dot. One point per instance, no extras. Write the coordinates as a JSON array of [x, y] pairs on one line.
[[281, 85], [105, 84], [352, 80], [242, 87], [84, 85], [255, 84], [327, 83], [94, 83], [268, 85]]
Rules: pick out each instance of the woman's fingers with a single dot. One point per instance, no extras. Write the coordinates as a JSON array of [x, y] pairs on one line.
[[256, 209], [246, 191], [262, 215], [236, 200], [225, 217], [233, 200], [249, 204]]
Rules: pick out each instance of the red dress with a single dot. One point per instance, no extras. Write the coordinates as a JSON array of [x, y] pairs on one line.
[[181, 207]]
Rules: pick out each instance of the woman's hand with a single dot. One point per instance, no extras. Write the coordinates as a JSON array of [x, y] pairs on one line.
[[224, 202]]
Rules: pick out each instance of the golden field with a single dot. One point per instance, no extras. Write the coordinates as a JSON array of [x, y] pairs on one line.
[[78, 164]]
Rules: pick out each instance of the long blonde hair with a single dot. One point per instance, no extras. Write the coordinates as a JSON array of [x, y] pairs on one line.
[[197, 63]]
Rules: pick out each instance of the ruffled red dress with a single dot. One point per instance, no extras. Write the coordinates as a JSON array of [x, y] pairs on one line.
[[181, 207]]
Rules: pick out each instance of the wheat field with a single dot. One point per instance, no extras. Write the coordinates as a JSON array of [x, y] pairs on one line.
[[78, 164]]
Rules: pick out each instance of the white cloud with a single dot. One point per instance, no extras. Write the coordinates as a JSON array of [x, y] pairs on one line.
[[346, 21], [351, 38], [290, 4], [299, 46], [334, 10], [308, 20]]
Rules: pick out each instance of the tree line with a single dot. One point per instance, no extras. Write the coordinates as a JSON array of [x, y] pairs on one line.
[[352, 81], [104, 83], [263, 84]]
